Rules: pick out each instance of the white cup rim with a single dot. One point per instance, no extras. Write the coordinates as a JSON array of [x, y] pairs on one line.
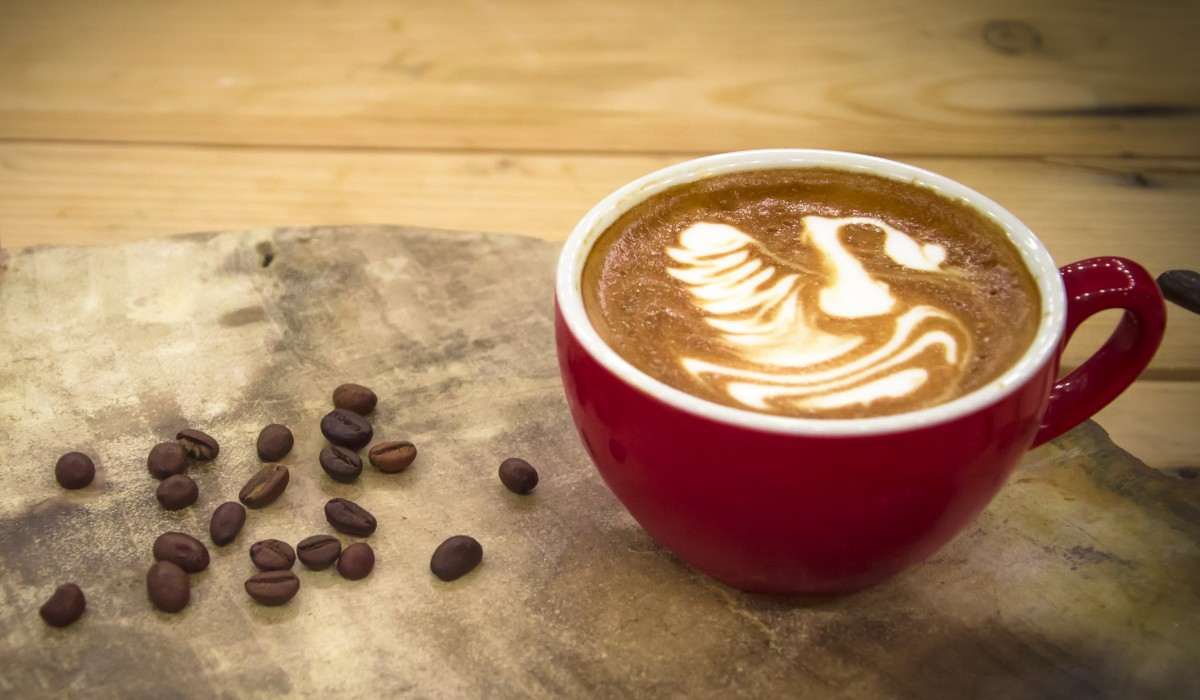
[[1032, 251]]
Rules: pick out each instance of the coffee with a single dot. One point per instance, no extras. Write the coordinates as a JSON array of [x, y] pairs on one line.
[[274, 442], [265, 486], [183, 550], [272, 555], [340, 463], [65, 606], [393, 456], [272, 587], [177, 492], [811, 292], [319, 551], [349, 517], [227, 521], [356, 562]]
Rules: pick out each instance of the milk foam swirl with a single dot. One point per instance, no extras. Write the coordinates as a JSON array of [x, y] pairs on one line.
[[763, 309]]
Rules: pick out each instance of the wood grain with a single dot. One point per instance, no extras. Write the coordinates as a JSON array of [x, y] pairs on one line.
[[1145, 209], [886, 76]]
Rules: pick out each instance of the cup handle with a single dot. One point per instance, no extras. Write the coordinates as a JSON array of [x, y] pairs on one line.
[[1092, 286]]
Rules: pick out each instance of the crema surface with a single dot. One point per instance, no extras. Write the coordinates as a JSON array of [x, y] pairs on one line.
[[811, 292]]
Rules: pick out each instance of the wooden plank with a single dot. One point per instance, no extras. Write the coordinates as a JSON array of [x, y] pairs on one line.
[[883, 76], [1156, 421], [1077, 581], [1144, 209]]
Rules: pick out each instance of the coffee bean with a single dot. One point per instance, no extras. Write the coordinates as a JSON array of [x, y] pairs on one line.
[[319, 551], [198, 445], [168, 586], [178, 491], [355, 397], [349, 517], [74, 470], [518, 475], [272, 587], [455, 557], [227, 521], [181, 548], [167, 459], [274, 442], [1181, 287], [356, 561], [392, 457], [265, 486], [64, 607], [272, 555], [340, 463], [346, 428]]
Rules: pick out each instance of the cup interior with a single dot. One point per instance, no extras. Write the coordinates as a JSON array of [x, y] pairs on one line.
[[1033, 253]]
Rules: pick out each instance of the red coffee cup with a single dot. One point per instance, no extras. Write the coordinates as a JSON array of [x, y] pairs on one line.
[[784, 505]]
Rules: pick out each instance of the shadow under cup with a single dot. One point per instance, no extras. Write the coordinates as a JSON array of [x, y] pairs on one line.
[[783, 505]]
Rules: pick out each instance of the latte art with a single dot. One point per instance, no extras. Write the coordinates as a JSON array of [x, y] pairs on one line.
[[766, 314], [813, 292]]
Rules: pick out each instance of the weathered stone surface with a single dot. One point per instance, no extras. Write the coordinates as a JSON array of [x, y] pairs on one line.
[[1079, 581]]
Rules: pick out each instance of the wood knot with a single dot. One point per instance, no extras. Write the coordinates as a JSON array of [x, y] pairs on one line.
[[1012, 36]]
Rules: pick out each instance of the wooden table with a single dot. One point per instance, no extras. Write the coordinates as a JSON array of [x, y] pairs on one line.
[[123, 120]]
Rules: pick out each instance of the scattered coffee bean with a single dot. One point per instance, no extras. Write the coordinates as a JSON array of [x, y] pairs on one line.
[[392, 457], [168, 586], [355, 397], [455, 557], [265, 486], [340, 463], [1181, 287], [198, 445], [272, 555], [274, 442], [178, 491], [74, 470], [346, 428], [349, 517], [181, 548], [227, 521], [518, 475], [319, 551], [167, 459], [356, 561], [272, 587], [64, 607]]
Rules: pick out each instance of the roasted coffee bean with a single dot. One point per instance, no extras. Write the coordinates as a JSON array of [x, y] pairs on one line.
[[168, 586], [74, 470], [356, 561], [349, 517], [319, 551], [455, 557], [1181, 287], [340, 463], [272, 555], [392, 457], [265, 486], [272, 587], [198, 445], [346, 428], [227, 521], [355, 397], [64, 607], [518, 475], [274, 442], [178, 491], [167, 459], [181, 548]]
